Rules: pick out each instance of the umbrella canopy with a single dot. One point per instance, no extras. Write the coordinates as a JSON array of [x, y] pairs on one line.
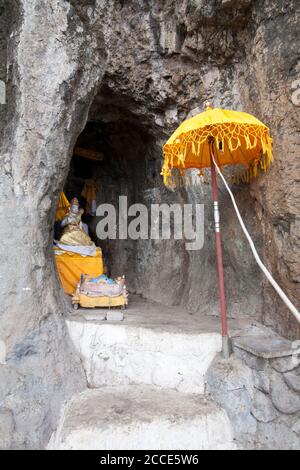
[[238, 138]]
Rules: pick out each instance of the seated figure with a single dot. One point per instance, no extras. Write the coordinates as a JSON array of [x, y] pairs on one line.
[[73, 233]]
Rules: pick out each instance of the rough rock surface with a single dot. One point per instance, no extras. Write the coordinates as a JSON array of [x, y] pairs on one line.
[[284, 398], [41, 373], [261, 403], [231, 385], [285, 364], [149, 64], [293, 381], [263, 409], [273, 68], [49, 91]]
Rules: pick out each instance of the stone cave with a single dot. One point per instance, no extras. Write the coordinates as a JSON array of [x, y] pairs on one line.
[[129, 147], [117, 78]]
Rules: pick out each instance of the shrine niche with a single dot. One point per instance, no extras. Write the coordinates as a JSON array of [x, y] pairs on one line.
[[78, 255]]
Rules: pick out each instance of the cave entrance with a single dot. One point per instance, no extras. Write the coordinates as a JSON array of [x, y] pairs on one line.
[[120, 159]]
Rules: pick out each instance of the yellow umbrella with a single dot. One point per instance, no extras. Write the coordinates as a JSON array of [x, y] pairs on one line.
[[213, 139], [237, 138]]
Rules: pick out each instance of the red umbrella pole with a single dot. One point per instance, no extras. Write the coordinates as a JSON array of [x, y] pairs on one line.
[[220, 262]]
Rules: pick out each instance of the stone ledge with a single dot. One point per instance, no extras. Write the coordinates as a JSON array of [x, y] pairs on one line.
[[266, 347], [126, 353]]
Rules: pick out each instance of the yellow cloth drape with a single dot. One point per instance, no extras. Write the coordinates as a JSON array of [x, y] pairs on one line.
[[70, 266], [62, 208], [89, 192], [73, 235]]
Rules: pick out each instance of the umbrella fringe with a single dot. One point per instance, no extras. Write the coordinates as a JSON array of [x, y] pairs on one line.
[[256, 167], [175, 156]]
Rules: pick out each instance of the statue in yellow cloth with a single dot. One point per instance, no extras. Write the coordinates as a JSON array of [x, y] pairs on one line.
[[73, 234]]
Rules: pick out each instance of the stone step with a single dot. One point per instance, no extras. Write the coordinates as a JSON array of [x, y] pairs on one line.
[[141, 418], [123, 354]]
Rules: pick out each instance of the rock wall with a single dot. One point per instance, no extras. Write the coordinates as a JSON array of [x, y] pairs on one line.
[[164, 74], [51, 83], [272, 68], [41, 372], [236, 53], [261, 397], [3, 76]]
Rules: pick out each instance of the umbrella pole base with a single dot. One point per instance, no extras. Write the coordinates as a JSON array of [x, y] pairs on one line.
[[226, 347]]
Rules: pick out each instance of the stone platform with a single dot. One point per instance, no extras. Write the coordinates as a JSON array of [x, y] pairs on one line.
[[156, 380], [142, 418], [154, 345]]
